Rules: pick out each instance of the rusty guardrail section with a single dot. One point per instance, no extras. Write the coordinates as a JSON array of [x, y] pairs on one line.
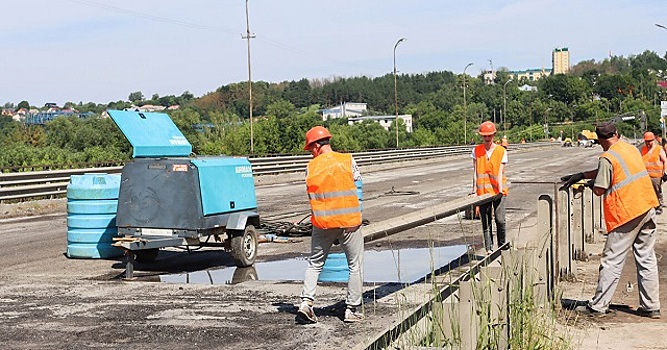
[[477, 302], [53, 183]]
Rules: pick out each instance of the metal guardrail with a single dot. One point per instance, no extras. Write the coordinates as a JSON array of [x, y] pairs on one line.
[[53, 183]]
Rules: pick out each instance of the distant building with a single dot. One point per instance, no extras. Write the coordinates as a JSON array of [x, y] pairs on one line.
[[530, 74], [40, 118], [560, 61], [526, 87], [489, 77], [384, 120], [147, 108], [344, 110]]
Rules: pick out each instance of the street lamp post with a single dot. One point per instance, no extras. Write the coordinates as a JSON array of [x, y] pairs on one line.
[[505, 107], [396, 91], [465, 107], [662, 124], [546, 127], [249, 36]]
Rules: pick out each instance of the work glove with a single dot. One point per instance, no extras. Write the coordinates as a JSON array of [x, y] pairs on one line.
[[664, 177], [571, 179]]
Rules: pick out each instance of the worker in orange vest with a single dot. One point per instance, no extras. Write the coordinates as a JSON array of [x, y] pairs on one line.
[[504, 142], [629, 215], [655, 161], [333, 184], [489, 162]]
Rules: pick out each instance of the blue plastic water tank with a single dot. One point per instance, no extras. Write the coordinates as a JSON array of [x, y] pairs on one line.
[[335, 269], [92, 200]]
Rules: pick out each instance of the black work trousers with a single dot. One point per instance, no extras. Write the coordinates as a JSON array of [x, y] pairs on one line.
[[498, 206]]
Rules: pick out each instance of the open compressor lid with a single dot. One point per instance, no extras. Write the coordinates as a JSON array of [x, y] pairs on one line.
[[152, 135]]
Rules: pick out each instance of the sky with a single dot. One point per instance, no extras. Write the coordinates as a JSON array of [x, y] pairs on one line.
[[57, 51]]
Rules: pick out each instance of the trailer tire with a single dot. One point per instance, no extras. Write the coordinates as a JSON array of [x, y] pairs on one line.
[[244, 246], [146, 255]]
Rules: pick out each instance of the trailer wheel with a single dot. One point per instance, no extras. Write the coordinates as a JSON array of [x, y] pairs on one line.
[[146, 255], [244, 246]]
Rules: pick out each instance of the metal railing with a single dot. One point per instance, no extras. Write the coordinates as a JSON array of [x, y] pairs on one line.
[[53, 183]]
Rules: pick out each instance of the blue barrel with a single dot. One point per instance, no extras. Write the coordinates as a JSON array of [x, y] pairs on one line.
[[335, 269], [92, 200]]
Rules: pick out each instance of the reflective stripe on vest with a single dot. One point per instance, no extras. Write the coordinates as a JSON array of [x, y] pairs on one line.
[[631, 193], [487, 171], [332, 191], [652, 160]]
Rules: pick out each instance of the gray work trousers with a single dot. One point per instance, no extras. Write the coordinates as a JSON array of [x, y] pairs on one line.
[[638, 234], [657, 187], [353, 246], [498, 206]]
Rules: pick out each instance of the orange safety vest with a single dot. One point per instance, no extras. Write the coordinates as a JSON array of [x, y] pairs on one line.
[[652, 160], [487, 170], [332, 192], [631, 192]]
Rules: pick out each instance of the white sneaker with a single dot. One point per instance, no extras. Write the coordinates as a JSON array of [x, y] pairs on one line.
[[351, 315], [306, 314]]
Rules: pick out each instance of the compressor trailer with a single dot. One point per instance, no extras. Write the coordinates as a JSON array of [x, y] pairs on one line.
[[169, 199]]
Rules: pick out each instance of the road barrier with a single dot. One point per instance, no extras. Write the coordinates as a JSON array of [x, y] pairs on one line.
[[21, 186]]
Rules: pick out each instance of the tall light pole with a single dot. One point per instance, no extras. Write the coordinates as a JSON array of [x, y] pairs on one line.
[[663, 121], [396, 91], [465, 107], [546, 127], [249, 36], [505, 107]]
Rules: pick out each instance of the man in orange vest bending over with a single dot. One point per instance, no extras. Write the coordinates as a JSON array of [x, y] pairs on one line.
[[489, 162], [629, 214], [655, 161], [333, 183]]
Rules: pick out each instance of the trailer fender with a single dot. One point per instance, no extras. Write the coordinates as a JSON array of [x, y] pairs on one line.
[[239, 221]]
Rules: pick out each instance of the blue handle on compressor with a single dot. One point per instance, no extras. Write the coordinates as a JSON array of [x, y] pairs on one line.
[[92, 202]]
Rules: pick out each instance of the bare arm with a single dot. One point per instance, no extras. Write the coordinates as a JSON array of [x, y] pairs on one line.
[[474, 176], [501, 173]]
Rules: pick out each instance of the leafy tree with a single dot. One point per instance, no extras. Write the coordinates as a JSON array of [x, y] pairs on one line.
[[23, 104], [136, 97], [280, 109]]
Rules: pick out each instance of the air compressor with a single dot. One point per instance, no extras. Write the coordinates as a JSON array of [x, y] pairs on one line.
[[171, 198]]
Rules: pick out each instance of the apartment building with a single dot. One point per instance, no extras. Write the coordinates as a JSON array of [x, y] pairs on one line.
[[560, 61]]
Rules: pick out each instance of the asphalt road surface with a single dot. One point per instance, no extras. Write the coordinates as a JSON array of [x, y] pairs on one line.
[[50, 301]]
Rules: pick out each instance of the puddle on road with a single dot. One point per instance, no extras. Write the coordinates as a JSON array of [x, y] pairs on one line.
[[379, 267]]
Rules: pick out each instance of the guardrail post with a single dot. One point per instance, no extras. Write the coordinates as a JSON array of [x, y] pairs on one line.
[[577, 223], [589, 210], [566, 265], [491, 277], [545, 226], [467, 315]]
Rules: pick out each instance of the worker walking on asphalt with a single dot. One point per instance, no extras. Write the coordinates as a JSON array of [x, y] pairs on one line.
[[655, 161], [333, 183], [629, 214], [489, 162]]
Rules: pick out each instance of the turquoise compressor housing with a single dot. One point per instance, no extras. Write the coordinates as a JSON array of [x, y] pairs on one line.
[[223, 181]]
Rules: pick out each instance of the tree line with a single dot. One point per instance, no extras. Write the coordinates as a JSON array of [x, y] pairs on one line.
[[218, 122]]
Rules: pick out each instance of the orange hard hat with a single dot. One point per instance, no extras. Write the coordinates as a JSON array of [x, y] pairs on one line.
[[648, 136], [316, 133], [487, 128]]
